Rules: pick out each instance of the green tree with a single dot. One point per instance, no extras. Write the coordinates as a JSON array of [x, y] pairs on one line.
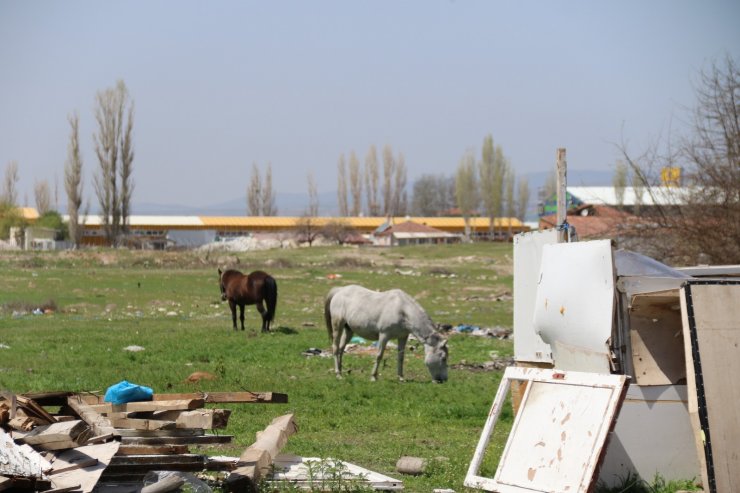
[[372, 176], [342, 187], [466, 189], [73, 181], [355, 183], [621, 177]]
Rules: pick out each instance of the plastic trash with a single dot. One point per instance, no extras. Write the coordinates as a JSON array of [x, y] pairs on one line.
[[358, 340], [124, 392], [189, 481]]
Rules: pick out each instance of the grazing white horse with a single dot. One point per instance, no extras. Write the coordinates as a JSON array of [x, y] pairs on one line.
[[382, 316]]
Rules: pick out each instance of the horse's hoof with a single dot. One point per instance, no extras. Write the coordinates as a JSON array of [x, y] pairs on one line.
[[339, 377]]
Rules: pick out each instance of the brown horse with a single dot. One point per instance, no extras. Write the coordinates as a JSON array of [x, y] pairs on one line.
[[252, 289]]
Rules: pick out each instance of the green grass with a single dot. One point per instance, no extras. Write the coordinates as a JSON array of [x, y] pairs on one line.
[[169, 304]]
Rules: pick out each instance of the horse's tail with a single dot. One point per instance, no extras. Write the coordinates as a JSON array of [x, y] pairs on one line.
[[327, 312], [270, 293]]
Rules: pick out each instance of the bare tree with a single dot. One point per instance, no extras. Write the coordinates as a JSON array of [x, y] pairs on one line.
[[522, 199], [400, 197], [433, 195], [42, 196], [9, 194], [700, 221], [342, 187], [372, 176], [389, 168], [337, 230], [313, 197], [466, 189], [254, 192], [355, 183], [268, 194], [113, 145]]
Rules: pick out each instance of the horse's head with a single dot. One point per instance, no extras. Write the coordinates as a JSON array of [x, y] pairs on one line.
[[435, 357], [221, 284]]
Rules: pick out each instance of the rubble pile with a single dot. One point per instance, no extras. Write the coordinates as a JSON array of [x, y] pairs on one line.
[[84, 443]]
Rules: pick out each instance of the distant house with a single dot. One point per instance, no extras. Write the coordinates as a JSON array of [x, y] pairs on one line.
[[411, 233], [593, 221]]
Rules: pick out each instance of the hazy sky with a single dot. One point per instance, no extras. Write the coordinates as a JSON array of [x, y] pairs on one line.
[[221, 85]]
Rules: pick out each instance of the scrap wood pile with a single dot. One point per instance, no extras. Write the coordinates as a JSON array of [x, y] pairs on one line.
[[87, 443]]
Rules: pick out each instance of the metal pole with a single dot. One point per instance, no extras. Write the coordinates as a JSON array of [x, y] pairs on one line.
[[562, 191]]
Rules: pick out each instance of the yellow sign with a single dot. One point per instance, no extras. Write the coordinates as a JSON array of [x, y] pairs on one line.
[[671, 176]]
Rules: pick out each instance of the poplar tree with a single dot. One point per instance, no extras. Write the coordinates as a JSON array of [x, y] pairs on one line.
[[389, 168], [254, 192], [355, 183], [342, 187], [466, 189], [114, 148], [371, 180], [73, 181]]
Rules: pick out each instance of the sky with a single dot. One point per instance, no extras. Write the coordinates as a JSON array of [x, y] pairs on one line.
[[219, 86]]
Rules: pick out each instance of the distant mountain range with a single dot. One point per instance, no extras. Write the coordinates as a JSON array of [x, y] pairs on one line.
[[295, 204]]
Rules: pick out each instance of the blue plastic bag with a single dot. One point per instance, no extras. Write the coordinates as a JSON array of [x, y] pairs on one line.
[[124, 392]]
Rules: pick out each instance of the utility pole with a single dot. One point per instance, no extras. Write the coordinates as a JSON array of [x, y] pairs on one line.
[[562, 185]]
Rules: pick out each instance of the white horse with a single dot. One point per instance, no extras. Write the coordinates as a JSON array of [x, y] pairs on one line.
[[382, 316]]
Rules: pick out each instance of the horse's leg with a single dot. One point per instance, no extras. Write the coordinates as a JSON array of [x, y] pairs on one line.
[[241, 315], [232, 305], [401, 353], [382, 341], [342, 335], [263, 313]]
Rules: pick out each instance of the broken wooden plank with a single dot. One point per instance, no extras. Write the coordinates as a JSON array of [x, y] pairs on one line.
[[255, 461], [56, 436], [208, 419], [99, 424], [229, 397], [31, 409], [165, 449], [175, 432], [142, 424], [22, 423], [182, 440], [139, 406]]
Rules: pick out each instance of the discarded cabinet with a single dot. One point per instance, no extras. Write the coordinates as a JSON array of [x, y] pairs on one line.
[[674, 332]]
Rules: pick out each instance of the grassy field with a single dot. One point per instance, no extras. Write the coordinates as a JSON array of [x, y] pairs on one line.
[[103, 301]]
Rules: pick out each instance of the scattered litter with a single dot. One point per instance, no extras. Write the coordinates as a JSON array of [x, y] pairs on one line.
[[124, 392], [333, 276], [358, 340], [316, 352], [171, 314], [409, 272], [493, 365], [38, 311], [4, 346], [160, 478], [308, 324], [133, 349], [497, 332]]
